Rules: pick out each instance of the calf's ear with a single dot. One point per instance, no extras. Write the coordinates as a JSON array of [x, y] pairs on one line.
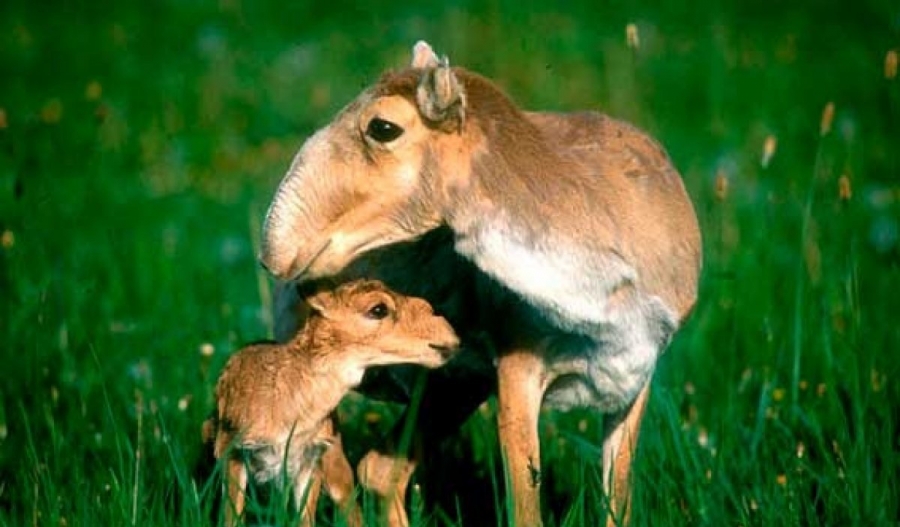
[[319, 303]]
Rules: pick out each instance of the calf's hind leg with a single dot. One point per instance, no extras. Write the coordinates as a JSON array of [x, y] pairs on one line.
[[619, 445], [333, 471], [448, 400]]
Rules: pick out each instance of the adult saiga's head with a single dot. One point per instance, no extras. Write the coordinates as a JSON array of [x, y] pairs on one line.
[[375, 175]]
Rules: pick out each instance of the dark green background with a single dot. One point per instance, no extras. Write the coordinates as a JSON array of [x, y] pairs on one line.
[[142, 142]]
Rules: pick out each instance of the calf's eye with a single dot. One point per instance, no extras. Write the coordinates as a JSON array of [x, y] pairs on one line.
[[378, 311], [383, 131]]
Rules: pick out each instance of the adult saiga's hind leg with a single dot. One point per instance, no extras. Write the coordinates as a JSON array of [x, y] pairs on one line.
[[619, 445]]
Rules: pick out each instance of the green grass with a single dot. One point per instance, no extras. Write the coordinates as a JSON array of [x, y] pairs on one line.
[[140, 144]]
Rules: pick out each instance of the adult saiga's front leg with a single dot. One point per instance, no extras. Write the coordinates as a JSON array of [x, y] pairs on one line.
[[521, 382], [619, 445]]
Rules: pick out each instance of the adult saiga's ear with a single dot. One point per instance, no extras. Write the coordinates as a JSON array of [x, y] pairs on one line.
[[441, 97], [423, 56]]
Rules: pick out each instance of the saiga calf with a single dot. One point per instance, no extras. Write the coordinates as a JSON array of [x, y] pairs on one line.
[[274, 401]]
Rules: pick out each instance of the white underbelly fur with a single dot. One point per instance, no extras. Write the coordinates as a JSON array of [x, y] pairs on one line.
[[266, 462], [605, 351], [608, 369]]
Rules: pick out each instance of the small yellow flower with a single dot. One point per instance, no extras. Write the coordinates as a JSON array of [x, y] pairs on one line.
[[703, 437], [845, 192], [632, 37], [769, 147], [827, 119], [52, 111], [207, 349], [721, 185], [781, 479], [890, 64], [878, 380], [7, 239], [93, 91], [778, 394]]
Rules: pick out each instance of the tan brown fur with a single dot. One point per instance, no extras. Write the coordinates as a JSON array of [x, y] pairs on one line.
[[512, 153], [580, 216], [274, 401]]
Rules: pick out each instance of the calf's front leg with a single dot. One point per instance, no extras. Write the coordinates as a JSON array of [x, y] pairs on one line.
[[387, 477], [236, 485], [306, 498], [521, 382]]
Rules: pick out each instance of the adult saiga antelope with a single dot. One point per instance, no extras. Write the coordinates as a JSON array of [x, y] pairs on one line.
[[579, 221]]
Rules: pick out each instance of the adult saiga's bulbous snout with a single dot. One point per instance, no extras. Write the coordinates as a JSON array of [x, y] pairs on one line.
[[296, 224]]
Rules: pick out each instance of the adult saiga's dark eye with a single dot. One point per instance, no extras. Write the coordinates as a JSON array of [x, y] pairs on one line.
[[378, 311], [383, 131]]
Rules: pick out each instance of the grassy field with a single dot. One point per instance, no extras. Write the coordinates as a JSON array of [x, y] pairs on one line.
[[141, 142]]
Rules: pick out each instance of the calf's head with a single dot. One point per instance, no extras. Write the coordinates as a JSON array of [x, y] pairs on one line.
[[370, 325], [371, 177]]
